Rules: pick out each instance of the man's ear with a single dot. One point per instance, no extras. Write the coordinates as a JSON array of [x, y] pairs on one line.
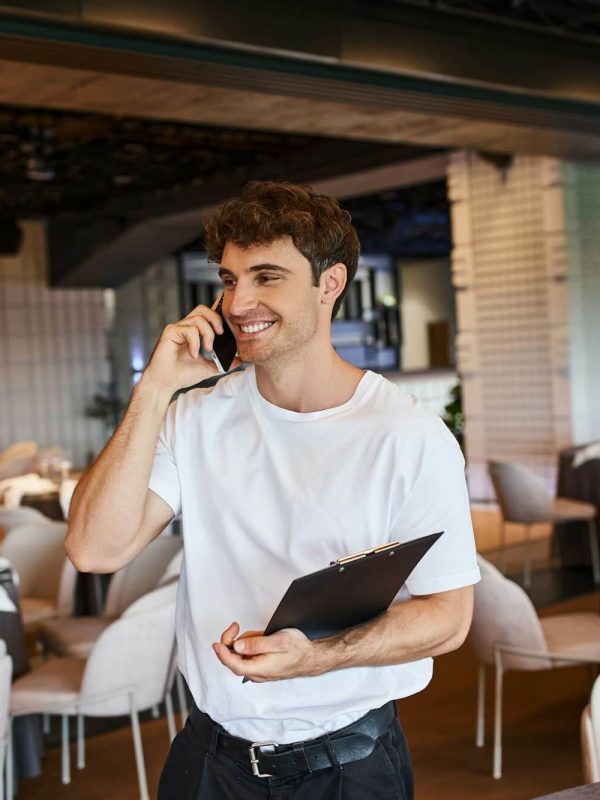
[[333, 280]]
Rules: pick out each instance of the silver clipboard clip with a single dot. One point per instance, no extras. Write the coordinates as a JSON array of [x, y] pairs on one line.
[[364, 553]]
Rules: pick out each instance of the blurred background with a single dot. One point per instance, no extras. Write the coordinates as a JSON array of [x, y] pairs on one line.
[[464, 138]]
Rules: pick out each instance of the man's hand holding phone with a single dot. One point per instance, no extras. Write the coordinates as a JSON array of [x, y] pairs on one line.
[[177, 361]]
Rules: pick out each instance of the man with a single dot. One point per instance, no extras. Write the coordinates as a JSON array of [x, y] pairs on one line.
[[277, 470]]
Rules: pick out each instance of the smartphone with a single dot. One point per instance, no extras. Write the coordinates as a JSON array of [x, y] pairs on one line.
[[225, 345]]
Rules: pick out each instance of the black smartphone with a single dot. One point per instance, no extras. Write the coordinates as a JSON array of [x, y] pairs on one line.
[[224, 346]]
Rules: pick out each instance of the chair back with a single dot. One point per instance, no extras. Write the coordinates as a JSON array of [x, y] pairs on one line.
[[37, 553], [141, 575], [5, 686], [173, 569], [589, 754], [135, 650], [504, 614], [522, 495], [22, 515]]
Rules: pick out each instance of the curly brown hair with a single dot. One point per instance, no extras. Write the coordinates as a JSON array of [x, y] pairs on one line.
[[267, 210]]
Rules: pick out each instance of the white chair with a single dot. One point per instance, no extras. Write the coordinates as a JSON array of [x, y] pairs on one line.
[[15, 517], [46, 576], [5, 679], [524, 499], [507, 634], [75, 636], [590, 736], [127, 672]]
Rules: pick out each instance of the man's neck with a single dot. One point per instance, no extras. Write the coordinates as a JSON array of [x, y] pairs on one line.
[[309, 385]]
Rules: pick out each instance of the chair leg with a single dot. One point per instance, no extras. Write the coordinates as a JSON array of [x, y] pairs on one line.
[[502, 558], [480, 733], [139, 752], [46, 723], [170, 716], [155, 712], [527, 559], [66, 754], [10, 775], [595, 557], [183, 707], [497, 767], [80, 741]]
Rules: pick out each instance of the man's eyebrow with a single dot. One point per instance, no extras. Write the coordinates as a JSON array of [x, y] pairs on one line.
[[257, 268]]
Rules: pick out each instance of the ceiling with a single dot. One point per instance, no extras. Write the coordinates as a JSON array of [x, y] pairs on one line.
[[578, 20], [121, 121], [56, 163]]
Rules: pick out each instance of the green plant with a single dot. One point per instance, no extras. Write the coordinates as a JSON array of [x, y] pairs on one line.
[[453, 417], [105, 406]]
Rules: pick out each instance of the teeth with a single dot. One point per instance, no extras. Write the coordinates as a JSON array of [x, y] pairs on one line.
[[255, 328]]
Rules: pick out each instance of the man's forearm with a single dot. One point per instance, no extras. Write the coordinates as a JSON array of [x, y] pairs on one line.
[[421, 627], [108, 503]]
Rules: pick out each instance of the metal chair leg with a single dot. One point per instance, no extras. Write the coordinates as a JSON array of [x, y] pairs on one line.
[[480, 732], [170, 716], [80, 742], [595, 557], [183, 707], [46, 723], [502, 532], [527, 559], [10, 774], [497, 766], [66, 754], [155, 712], [139, 752]]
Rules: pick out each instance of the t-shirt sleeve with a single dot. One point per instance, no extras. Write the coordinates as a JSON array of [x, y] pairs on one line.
[[164, 478], [438, 501]]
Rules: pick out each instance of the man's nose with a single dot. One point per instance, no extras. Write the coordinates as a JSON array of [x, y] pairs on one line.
[[242, 300]]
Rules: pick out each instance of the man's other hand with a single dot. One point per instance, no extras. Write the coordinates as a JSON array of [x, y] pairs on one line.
[[285, 654]]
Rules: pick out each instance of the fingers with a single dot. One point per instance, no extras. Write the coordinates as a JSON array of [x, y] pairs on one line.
[[249, 645], [182, 334], [228, 635], [208, 314]]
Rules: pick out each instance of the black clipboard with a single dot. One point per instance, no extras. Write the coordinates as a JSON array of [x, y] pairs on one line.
[[350, 591]]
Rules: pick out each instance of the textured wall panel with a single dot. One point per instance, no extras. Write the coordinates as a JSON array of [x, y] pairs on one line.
[[53, 355], [512, 309]]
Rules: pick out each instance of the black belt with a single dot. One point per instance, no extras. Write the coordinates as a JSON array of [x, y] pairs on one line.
[[352, 743]]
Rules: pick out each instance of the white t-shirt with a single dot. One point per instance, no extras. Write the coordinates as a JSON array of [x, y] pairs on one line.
[[267, 495]]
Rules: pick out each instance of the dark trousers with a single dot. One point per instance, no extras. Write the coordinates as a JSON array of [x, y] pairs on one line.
[[194, 770]]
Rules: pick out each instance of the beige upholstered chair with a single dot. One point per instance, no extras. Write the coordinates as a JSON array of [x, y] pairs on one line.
[[128, 671], [590, 736], [46, 576], [75, 636], [15, 517], [508, 634], [523, 498], [5, 679]]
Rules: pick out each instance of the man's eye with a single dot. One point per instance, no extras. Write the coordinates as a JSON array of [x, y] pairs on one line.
[[268, 278], [227, 282]]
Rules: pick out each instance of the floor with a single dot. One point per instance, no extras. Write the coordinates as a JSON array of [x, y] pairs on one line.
[[542, 711]]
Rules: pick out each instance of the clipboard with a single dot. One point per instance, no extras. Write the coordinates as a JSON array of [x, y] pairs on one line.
[[351, 590]]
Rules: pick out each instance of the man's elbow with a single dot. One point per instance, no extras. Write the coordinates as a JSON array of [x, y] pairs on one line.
[[458, 635], [82, 559]]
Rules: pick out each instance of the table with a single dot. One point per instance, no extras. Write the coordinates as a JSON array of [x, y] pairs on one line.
[[570, 540], [48, 503]]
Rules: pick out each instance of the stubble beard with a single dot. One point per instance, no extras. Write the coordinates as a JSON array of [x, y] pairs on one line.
[[286, 345]]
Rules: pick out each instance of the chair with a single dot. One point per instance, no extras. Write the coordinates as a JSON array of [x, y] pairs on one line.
[[22, 515], [5, 679], [127, 672], [523, 498], [46, 576], [75, 636], [590, 736], [508, 634]]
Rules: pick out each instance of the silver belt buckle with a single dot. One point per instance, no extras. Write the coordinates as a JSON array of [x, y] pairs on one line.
[[254, 759]]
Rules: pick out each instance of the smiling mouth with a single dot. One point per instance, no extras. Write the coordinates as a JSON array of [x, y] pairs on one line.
[[257, 327]]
